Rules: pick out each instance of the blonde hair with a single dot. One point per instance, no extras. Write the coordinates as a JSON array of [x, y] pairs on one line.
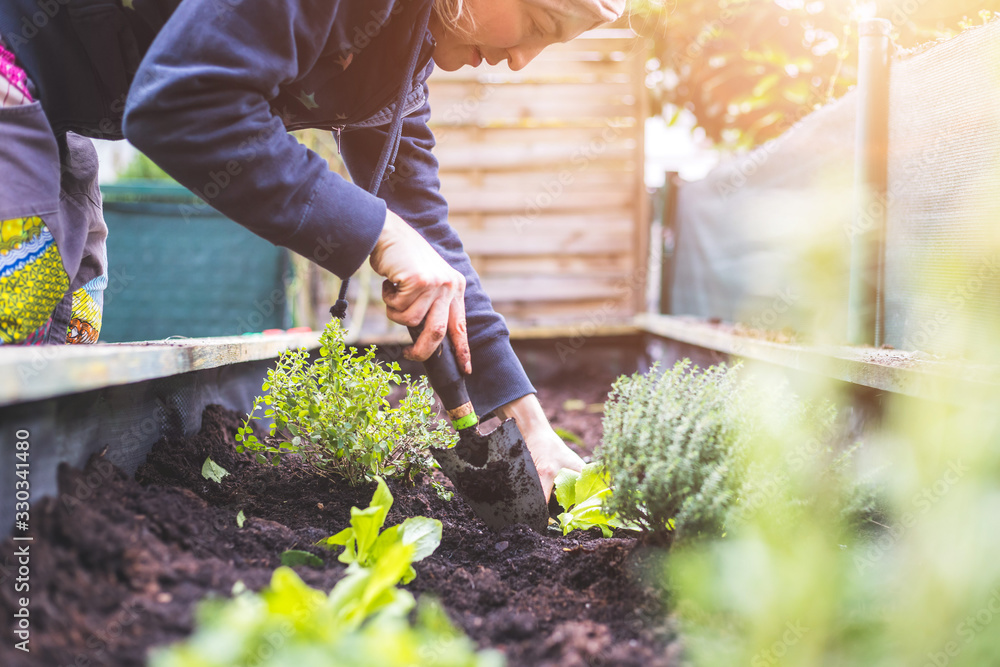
[[453, 14]]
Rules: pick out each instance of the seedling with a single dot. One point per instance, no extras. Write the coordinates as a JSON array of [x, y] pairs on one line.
[[364, 545], [584, 495]]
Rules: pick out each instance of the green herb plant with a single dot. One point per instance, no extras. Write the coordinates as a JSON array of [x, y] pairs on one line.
[[365, 546], [334, 411], [681, 451], [583, 495]]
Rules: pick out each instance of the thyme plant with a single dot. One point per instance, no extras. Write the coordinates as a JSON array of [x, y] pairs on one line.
[[687, 452]]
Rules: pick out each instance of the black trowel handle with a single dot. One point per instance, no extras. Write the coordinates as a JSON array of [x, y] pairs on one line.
[[446, 379]]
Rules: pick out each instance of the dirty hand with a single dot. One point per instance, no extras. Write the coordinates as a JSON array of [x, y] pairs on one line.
[[419, 284], [548, 451]]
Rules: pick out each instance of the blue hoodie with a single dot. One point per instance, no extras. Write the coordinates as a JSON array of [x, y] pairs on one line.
[[212, 100]]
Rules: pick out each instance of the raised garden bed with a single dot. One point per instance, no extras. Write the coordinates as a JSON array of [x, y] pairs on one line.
[[118, 564]]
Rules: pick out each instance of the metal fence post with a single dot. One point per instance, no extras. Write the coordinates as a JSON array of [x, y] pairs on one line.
[[865, 311], [667, 205]]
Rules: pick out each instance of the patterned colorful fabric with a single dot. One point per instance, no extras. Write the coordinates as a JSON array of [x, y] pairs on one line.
[[88, 310], [13, 81], [32, 280]]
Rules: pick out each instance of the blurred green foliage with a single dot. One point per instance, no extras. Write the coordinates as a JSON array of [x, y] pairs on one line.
[[750, 69], [142, 168]]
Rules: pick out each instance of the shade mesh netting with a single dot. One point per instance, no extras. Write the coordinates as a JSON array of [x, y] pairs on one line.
[[942, 277], [764, 239]]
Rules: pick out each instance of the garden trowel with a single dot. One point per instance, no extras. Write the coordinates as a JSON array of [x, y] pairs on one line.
[[493, 471]]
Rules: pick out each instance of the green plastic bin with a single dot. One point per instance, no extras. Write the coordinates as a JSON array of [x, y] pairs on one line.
[[177, 267]]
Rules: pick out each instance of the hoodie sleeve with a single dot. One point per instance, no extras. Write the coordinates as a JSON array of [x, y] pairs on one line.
[[198, 107], [413, 193]]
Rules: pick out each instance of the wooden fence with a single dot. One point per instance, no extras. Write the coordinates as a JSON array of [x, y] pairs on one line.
[[542, 170]]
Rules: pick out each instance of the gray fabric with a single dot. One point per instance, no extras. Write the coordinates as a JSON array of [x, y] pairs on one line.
[[762, 227], [29, 165], [80, 209]]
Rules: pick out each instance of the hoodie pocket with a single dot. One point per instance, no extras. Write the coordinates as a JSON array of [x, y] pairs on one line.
[[108, 39]]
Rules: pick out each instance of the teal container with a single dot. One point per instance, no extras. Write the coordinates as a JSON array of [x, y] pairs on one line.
[[177, 267]]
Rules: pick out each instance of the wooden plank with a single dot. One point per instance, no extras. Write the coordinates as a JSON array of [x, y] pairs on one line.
[[895, 371], [545, 241], [587, 67], [580, 96], [577, 135], [580, 263], [595, 312], [520, 183], [551, 288], [34, 373], [454, 157], [490, 201], [643, 213], [620, 221], [476, 111]]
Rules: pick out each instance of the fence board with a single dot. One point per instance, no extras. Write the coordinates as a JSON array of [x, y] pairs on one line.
[[542, 170]]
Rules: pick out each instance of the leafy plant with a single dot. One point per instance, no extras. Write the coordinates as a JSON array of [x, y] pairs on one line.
[[682, 452], [334, 411], [212, 470], [583, 495], [365, 620], [364, 545], [294, 557], [669, 444]]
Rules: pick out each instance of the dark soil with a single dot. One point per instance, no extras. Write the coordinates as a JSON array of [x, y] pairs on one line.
[[117, 565]]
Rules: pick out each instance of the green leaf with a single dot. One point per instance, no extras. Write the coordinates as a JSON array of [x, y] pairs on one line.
[[569, 435], [240, 519], [294, 557], [592, 482], [423, 533], [583, 496], [565, 486], [212, 470]]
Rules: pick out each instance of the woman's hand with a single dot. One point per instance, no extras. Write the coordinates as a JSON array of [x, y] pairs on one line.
[[548, 451], [421, 287]]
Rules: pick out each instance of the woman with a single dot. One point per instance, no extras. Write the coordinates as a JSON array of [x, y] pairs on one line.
[[208, 89]]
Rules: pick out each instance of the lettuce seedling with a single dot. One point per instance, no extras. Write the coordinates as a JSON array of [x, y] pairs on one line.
[[583, 495], [364, 545], [365, 620]]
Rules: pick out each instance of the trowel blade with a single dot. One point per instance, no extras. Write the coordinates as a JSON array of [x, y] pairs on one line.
[[496, 476]]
